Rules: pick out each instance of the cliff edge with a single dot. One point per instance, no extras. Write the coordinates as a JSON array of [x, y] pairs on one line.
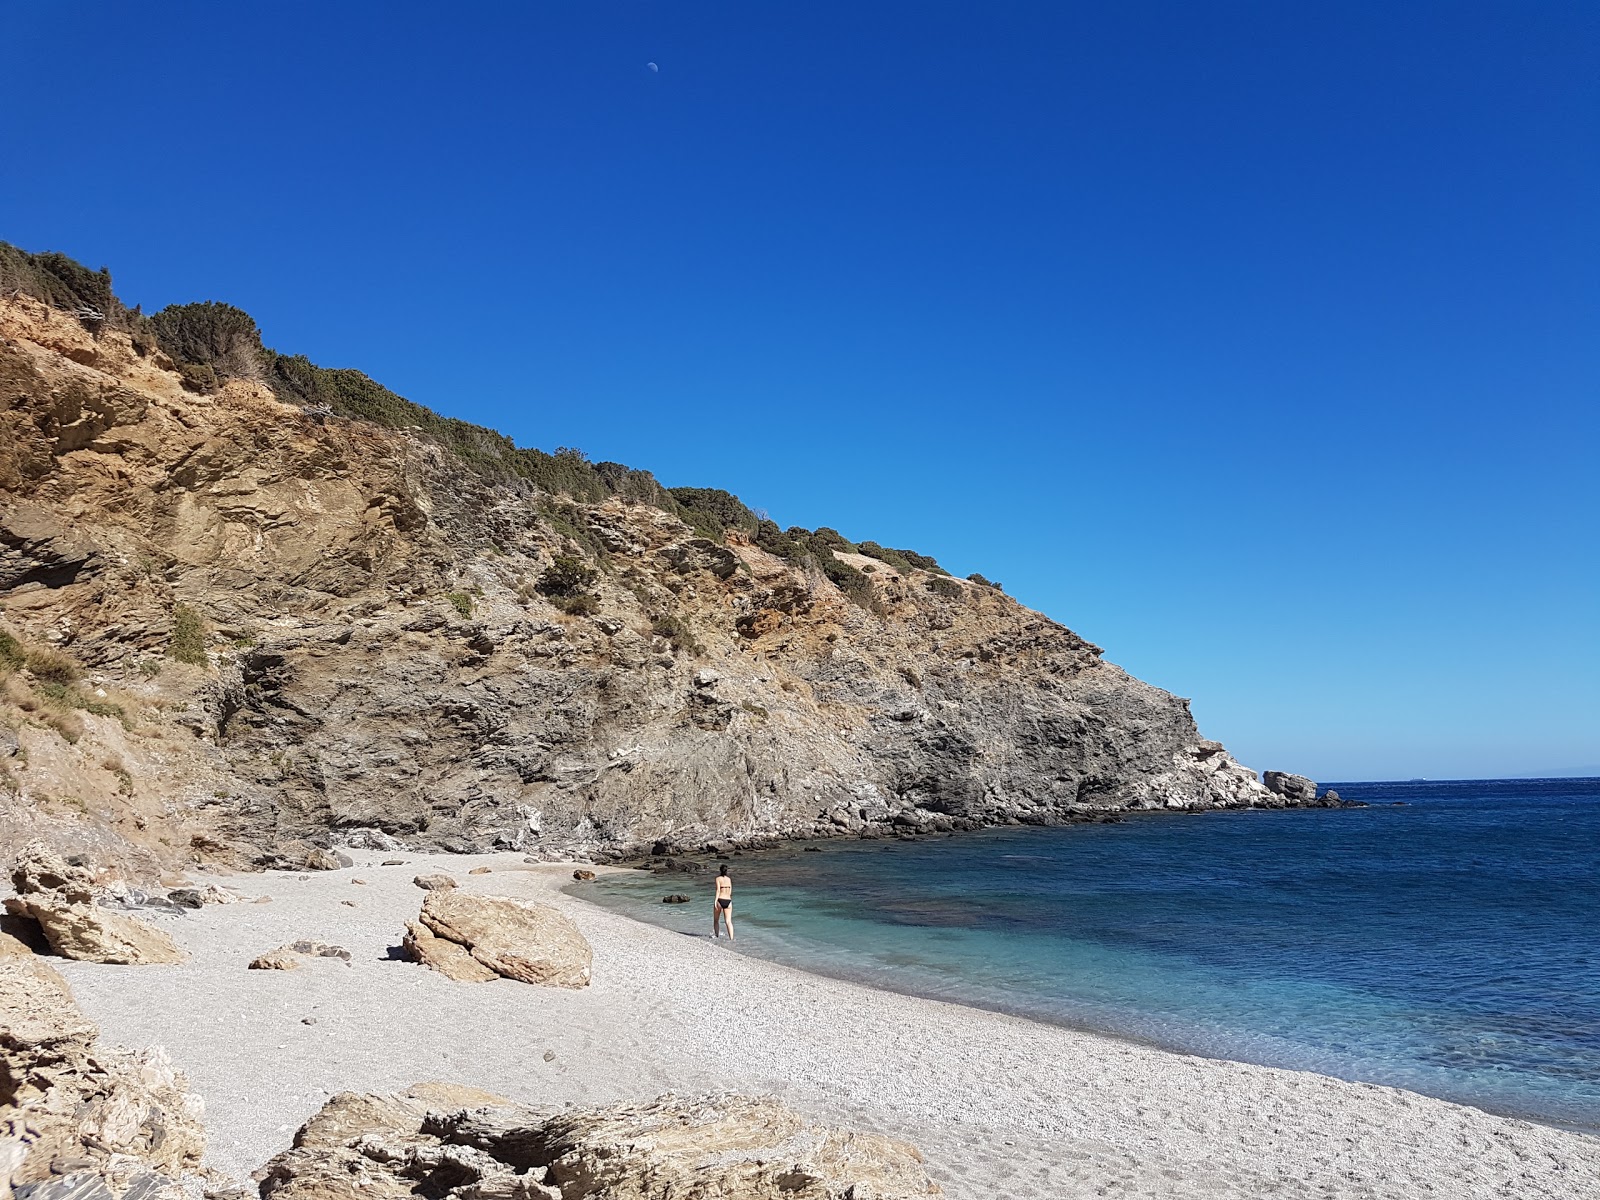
[[237, 624]]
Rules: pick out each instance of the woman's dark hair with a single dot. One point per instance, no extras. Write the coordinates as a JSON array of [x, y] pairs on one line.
[[723, 870]]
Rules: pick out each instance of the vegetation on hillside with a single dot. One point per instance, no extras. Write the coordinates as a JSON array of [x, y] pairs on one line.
[[211, 342]]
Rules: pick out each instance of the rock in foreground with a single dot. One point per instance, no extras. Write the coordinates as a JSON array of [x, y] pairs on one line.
[[453, 1144], [75, 1111], [529, 942]]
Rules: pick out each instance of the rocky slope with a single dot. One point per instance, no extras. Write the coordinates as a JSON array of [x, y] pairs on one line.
[[370, 656]]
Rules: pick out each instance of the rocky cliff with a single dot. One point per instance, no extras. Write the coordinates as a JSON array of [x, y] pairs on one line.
[[235, 625]]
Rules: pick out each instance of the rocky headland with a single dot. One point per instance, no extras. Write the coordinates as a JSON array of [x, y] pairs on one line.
[[254, 611]]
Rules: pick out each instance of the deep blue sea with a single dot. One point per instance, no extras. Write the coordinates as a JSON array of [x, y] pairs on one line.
[[1445, 939]]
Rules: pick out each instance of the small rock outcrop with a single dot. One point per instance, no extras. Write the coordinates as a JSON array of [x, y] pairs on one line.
[[1295, 788], [434, 883], [58, 897], [288, 958], [520, 940], [91, 1119], [457, 1144]]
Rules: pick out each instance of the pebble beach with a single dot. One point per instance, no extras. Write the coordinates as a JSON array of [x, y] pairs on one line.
[[1000, 1106]]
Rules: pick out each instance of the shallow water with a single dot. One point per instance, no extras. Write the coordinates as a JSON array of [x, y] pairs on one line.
[[1450, 945]]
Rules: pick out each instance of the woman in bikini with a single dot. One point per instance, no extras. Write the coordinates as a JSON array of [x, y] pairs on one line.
[[722, 906]]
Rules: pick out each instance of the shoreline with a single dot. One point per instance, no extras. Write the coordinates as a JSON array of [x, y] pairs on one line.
[[1000, 1104], [842, 975]]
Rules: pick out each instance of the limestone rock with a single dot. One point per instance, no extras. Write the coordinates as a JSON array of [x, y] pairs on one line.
[[93, 934], [457, 1146], [117, 1119], [481, 871], [435, 882], [581, 875], [676, 898], [288, 957], [40, 870], [1295, 788], [521, 940], [318, 859], [276, 960], [447, 957]]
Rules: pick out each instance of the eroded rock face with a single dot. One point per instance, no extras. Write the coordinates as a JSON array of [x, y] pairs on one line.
[[120, 1119], [382, 670], [518, 939], [698, 1148]]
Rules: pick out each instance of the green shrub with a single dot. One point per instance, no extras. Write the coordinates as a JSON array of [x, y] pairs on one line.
[[581, 605], [712, 511], [832, 539], [675, 630], [567, 575], [461, 602], [12, 655], [188, 636], [941, 585], [982, 582], [210, 334], [53, 667], [64, 283]]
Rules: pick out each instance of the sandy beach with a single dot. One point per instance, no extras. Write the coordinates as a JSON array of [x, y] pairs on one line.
[[1000, 1106]]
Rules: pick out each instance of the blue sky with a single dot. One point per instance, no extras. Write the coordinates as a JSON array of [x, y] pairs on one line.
[[1259, 343]]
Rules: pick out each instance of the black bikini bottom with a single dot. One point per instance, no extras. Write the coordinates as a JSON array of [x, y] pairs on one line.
[[723, 903]]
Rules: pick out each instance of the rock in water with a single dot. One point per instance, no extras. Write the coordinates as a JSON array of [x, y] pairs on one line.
[[120, 1120], [447, 957], [676, 898], [1296, 788], [515, 938], [707, 1148]]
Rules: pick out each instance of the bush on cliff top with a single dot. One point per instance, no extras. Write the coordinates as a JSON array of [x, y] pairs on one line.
[[211, 342]]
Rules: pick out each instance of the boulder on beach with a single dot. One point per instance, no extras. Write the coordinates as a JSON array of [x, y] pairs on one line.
[[690, 1148], [319, 859], [521, 940], [57, 898], [434, 882], [80, 1117], [582, 876]]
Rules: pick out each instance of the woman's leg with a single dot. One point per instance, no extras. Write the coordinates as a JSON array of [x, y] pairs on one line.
[[716, 919], [727, 917]]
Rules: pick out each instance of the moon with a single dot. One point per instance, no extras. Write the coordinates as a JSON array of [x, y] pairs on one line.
[[652, 66]]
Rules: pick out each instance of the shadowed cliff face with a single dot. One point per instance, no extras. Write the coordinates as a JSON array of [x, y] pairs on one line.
[[376, 654]]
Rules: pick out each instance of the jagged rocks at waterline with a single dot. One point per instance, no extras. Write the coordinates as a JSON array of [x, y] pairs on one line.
[[1295, 788], [698, 1148]]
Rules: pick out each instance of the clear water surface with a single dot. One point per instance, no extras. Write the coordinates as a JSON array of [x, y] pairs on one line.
[[1448, 943]]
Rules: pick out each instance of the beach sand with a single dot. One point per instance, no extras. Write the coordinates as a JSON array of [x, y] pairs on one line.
[[1000, 1106]]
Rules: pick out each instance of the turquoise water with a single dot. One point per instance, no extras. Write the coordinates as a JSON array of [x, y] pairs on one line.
[[1450, 945]]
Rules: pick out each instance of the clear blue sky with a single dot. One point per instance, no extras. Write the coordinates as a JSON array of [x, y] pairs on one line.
[[1259, 343]]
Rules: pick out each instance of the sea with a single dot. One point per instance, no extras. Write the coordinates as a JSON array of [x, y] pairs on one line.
[[1444, 939]]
